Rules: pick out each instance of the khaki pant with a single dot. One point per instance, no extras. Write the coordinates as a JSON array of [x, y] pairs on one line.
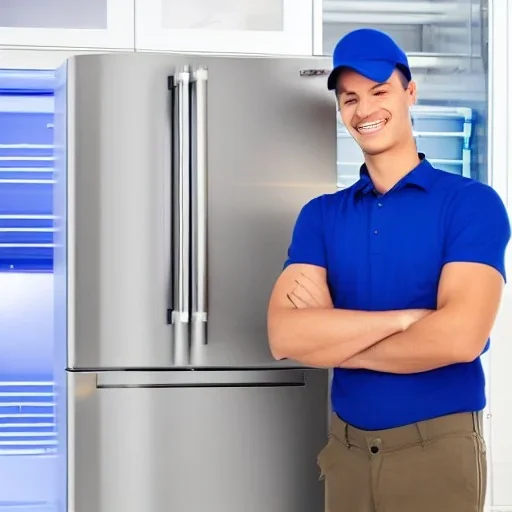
[[437, 465]]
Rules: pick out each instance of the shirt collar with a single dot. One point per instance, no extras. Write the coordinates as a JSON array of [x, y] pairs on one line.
[[421, 176]]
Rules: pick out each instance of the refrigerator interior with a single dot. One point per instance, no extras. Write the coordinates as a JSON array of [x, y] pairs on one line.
[[27, 416]]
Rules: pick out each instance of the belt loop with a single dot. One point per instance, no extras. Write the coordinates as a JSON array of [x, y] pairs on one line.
[[421, 427], [477, 426], [346, 434]]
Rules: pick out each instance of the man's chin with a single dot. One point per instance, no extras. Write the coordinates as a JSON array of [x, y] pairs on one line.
[[375, 149]]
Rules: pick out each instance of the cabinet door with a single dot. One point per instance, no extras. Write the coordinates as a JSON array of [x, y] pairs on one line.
[[282, 27], [67, 23]]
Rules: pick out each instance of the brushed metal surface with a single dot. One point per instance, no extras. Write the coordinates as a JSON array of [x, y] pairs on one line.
[[194, 449], [271, 148]]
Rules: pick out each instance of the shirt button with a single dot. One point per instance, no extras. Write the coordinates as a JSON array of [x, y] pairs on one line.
[[376, 232], [379, 205]]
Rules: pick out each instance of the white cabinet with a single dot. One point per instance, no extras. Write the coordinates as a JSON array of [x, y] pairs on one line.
[[282, 27], [95, 24]]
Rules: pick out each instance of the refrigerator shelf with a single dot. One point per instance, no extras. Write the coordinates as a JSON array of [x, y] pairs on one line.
[[431, 112], [27, 216], [27, 507], [26, 230], [388, 12], [27, 245], [27, 158], [26, 182], [27, 417], [33, 80], [26, 146], [27, 169]]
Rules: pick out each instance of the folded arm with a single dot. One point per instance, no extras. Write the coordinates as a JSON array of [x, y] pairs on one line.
[[468, 301], [304, 326], [469, 292]]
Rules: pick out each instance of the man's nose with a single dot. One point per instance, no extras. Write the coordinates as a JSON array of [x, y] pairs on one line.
[[364, 108]]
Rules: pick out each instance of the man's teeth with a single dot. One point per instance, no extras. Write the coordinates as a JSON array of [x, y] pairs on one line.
[[371, 126]]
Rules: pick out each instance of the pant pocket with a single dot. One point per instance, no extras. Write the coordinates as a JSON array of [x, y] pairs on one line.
[[446, 475], [325, 458], [346, 474]]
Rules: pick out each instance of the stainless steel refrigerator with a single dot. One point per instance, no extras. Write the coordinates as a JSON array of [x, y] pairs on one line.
[[178, 181]]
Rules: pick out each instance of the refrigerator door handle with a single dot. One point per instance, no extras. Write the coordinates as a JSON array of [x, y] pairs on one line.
[[181, 222], [201, 379], [199, 316], [484, 33]]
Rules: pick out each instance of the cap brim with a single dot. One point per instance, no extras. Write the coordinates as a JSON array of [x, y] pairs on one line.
[[376, 70]]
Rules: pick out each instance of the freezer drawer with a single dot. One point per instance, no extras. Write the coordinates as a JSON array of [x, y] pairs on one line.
[[191, 441]]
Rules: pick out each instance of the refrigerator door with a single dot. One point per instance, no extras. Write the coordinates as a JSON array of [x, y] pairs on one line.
[[180, 180], [266, 144], [113, 212], [196, 440]]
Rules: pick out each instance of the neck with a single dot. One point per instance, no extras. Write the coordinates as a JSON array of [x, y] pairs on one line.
[[388, 168]]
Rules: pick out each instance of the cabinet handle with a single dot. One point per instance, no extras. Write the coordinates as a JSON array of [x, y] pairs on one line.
[[199, 316]]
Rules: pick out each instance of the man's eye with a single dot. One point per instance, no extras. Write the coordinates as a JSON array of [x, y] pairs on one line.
[[380, 93], [349, 102]]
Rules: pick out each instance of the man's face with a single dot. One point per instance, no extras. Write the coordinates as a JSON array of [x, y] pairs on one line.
[[377, 115]]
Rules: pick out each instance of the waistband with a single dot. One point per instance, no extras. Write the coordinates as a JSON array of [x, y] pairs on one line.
[[416, 433]]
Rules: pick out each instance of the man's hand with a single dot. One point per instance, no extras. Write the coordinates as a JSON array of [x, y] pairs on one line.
[[411, 316], [308, 293]]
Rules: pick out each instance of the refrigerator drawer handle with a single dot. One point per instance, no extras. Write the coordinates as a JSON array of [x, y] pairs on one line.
[[199, 316], [201, 379], [181, 222]]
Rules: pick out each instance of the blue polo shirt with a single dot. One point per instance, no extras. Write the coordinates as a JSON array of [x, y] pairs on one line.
[[386, 252]]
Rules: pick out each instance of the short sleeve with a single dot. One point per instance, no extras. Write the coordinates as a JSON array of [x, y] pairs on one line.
[[478, 228], [307, 245]]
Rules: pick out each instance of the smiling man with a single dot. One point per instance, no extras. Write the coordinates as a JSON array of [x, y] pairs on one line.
[[395, 282]]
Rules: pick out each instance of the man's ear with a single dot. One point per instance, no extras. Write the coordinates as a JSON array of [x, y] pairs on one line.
[[411, 93]]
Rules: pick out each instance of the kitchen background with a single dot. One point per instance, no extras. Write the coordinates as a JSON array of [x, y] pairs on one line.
[[461, 55]]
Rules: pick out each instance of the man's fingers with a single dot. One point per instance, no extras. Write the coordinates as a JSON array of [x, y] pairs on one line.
[[298, 301], [290, 298], [304, 292], [321, 287], [308, 294]]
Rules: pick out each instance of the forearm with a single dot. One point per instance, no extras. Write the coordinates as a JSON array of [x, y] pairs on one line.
[[433, 342], [327, 337], [330, 357]]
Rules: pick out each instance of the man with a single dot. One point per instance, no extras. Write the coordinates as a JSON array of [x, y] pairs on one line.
[[395, 282]]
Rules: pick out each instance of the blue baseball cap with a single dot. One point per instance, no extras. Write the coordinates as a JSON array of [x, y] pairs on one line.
[[370, 53]]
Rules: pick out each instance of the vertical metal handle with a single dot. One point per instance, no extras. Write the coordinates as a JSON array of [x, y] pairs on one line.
[[199, 317], [484, 34], [181, 217]]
